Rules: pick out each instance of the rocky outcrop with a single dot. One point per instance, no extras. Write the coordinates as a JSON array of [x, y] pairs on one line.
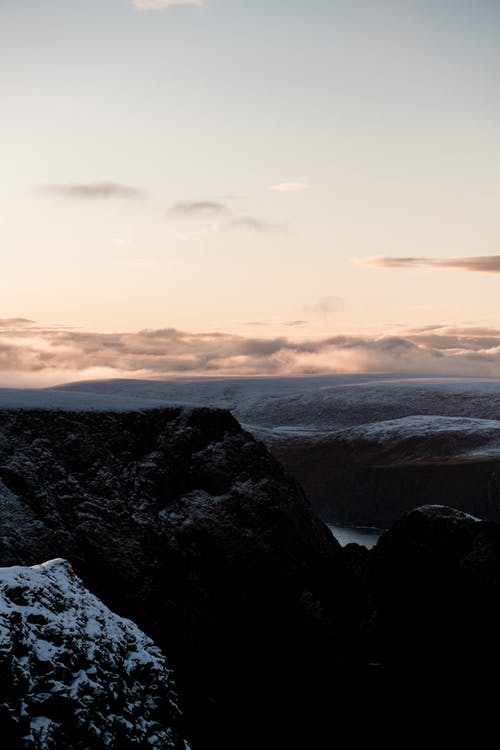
[[435, 583], [75, 675], [365, 448], [429, 617], [181, 521], [279, 638]]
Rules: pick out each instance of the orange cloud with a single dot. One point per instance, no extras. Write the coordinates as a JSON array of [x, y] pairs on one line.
[[54, 354], [472, 263]]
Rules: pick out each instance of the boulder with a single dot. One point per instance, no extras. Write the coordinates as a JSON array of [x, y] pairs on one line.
[[74, 675]]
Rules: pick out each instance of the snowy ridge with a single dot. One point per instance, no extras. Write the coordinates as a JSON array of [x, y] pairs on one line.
[[313, 403], [41, 398], [486, 432], [444, 511], [73, 674]]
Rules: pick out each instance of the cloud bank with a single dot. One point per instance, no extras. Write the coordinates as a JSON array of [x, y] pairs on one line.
[[36, 354], [93, 191], [473, 263]]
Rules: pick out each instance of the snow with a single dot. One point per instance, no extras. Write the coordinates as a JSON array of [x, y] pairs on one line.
[[59, 645], [315, 402], [41, 398], [444, 511], [426, 426], [380, 408], [283, 407]]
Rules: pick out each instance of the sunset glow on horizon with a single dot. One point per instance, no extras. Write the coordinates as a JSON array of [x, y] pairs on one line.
[[249, 187]]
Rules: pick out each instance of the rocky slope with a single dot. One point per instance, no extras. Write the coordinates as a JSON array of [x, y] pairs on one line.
[[420, 616], [73, 674], [435, 584], [371, 474], [181, 521], [279, 637], [364, 447]]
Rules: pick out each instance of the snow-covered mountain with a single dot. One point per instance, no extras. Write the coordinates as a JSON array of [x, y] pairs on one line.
[[360, 445], [316, 403], [73, 674]]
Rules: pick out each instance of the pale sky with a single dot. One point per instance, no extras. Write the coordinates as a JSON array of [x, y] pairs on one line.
[[317, 181]]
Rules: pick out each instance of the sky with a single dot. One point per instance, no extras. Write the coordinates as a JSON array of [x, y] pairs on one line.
[[206, 187]]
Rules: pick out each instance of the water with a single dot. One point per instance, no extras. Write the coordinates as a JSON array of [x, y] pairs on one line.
[[367, 537]]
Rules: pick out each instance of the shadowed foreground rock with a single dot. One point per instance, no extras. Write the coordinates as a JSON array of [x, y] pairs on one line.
[[434, 579], [181, 521], [425, 614], [279, 638], [72, 674]]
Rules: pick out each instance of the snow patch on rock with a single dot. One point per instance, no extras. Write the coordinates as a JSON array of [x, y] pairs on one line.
[[421, 425], [444, 511], [73, 674]]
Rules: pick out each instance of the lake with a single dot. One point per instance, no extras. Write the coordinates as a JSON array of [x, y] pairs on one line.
[[366, 536]]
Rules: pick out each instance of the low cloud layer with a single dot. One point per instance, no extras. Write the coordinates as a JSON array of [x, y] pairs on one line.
[[31, 354], [473, 263], [10, 322], [93, 191]]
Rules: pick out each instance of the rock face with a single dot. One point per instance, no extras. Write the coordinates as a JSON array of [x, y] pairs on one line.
[[75, 675], [435, 582], [365, 448], [428, 602], [181, 521], [361, 476], [279, 638]]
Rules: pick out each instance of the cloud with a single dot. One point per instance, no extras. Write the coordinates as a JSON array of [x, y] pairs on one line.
[[215, 209], [94, 191], [33, 353], [473, 263], [325, 306], [455, 338], [289, 187], [199, 208], [250, 223], [162, 4], [14, 322]]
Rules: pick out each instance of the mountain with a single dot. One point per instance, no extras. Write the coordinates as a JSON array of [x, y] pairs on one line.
[[279, 638], [370, 474], [364, 447], [75, 675], [180, 520]]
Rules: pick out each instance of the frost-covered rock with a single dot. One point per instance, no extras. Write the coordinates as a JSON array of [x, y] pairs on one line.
[[180, 520], [74, 675]]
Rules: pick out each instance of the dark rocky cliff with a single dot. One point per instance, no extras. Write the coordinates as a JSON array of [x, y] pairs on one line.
[[279, 638], [356, 481], [181, 521]]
